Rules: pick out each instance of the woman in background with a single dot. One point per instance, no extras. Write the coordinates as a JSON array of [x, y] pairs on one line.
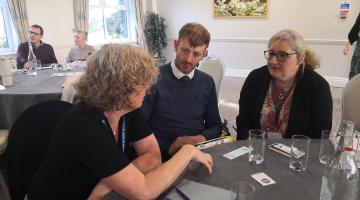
[[286, 96], [352, 37]]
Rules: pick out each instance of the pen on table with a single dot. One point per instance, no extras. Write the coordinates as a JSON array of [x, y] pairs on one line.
[[182, 194]]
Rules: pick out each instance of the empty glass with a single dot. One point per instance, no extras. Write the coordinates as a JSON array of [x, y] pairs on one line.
[[256, 145], [327, 148], [242, 191], [299, 152]]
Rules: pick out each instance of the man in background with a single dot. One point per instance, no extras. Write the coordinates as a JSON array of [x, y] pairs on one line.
[[81, 51], [43, 52], [182, 107]]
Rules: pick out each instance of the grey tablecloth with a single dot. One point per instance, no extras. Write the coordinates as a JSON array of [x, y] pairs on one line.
[[289, 184], [25, 92]]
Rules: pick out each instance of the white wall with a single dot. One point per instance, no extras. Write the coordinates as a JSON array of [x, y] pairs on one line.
[[241, 41], [57, 19]]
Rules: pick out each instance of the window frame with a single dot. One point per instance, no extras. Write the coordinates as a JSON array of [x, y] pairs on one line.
[[130, 23], [9, 29]]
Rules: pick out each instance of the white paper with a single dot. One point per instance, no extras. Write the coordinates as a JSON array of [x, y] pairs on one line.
[[237, 152], [263, 179], [67, 74]]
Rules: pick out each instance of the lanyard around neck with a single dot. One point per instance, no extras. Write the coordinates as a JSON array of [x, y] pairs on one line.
[[123, 132]]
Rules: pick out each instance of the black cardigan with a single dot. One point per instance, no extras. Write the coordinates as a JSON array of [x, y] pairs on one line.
[[311, 108], [353, 34]]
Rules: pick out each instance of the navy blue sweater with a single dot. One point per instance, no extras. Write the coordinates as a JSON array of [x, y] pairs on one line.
[[174, 108]]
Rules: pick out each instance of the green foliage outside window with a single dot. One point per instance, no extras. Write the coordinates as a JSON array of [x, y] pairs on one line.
[[116, 24]]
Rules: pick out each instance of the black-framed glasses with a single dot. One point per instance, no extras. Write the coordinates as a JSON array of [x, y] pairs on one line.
[[280, 56], [33, 33]]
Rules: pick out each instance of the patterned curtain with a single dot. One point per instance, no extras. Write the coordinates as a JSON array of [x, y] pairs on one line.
[[140, 18], [19, 17], [81, 14]]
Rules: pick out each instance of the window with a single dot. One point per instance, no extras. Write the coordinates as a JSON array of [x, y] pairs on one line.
[[8, 40], [111, 21]]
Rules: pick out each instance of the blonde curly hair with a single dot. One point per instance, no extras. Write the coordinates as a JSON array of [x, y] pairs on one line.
[[297, 43], [113, 74]]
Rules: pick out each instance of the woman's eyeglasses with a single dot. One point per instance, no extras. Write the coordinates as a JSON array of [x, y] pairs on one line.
[[280, 56]]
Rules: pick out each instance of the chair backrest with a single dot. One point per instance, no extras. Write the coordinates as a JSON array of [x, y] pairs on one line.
[[28, 143], [215, 68], [350, 101], [69, 92], [4, 191]]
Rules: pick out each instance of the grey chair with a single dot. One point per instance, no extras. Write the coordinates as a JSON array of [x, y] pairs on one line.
[[214, 67]]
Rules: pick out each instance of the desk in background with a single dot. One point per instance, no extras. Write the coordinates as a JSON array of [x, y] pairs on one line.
[[27, 91]]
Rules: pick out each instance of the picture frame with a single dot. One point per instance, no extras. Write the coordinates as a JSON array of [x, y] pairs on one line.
[[240, 8]]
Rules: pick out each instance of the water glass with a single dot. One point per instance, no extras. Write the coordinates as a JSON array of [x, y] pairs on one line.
[[327, 148], [6, 73], [38, 64], [256, 145], [33, 67], [7, 80], [242, 191], [299, 152], [357, 147]]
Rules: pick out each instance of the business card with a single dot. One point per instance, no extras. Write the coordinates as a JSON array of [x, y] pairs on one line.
[[263, 179], [237, 152]]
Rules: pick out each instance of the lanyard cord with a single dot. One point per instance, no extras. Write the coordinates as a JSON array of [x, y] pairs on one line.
[[123, 133]]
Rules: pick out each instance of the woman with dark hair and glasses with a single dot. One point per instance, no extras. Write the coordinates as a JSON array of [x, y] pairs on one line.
[[286, 96]]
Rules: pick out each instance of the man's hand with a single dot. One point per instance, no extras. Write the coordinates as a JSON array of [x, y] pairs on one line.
[[26, 66], [182, 140]]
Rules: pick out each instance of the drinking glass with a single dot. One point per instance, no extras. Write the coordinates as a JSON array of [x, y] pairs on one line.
[[299, 152], [327, 148], [38, 64], [242, 191], [357, 146], [256, 145]]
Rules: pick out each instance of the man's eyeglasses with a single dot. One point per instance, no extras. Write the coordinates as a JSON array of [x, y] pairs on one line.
[[280, 56], [33, 33]]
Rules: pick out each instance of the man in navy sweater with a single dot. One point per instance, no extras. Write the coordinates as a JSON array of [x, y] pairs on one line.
[[182, 107]]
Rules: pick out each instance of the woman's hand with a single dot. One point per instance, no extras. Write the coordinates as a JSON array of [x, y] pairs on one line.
[[203, 158], [346, 48]]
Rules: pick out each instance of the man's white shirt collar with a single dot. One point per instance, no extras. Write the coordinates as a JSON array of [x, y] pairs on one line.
[[178, 74]]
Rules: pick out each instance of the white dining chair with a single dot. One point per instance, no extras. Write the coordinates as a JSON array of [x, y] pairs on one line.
[[351, 99], [69, 92], [213, 66]]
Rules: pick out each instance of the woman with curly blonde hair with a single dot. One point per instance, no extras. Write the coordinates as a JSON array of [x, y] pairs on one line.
[[286, 96], [90, 153]]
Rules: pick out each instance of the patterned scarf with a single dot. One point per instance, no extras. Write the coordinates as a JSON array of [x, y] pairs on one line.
[[274, 116]]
